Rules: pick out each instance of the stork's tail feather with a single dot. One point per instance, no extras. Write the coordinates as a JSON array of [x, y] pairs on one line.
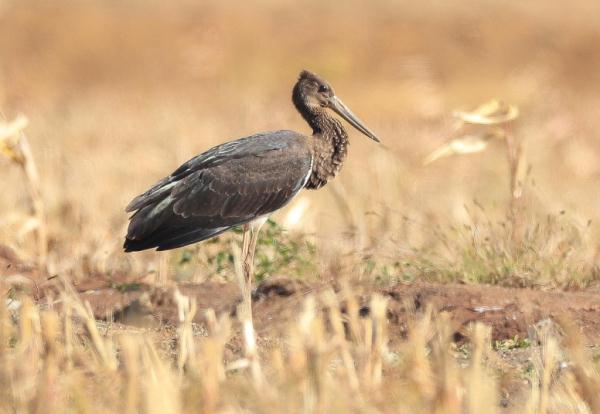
[[171, 239]]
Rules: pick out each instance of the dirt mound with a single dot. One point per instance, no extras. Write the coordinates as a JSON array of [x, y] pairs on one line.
[[509, 312]]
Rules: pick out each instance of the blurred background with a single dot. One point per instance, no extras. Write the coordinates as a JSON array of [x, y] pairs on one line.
[[119, 93]]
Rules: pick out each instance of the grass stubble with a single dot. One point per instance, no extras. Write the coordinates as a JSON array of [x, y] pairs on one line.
[[57, 358]]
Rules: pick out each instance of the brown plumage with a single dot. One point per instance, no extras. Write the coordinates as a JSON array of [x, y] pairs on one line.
[[246, 179]]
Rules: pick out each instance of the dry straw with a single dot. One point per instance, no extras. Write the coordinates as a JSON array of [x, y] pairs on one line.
[[336, 358], [15, 146], [473, 132]]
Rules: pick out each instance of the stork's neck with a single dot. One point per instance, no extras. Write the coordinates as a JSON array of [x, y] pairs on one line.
[[330, 146], [329, 130]]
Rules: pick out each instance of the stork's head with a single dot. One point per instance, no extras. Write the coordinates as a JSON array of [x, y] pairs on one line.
[[313, 94]]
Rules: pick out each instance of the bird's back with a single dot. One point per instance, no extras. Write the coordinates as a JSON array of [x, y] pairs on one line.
[[228, 185]]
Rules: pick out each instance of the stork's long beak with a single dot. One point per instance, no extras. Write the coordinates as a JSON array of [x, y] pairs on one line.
[[342, 110]]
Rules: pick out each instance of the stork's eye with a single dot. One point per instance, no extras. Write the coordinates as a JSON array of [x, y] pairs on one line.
[[323, 88]]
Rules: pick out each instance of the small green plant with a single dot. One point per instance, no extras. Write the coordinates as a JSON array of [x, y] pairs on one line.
[[277, 252], [512, 343], [388, 273], [126, 287]]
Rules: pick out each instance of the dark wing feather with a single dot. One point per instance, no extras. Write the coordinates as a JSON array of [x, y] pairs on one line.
[[228, 185]]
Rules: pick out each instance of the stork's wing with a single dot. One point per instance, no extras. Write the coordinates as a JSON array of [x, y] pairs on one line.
[[228, 185]]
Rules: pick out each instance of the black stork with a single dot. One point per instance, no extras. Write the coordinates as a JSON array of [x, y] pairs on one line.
[[242, 182]]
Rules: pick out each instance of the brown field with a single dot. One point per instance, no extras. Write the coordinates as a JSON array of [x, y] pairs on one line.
[[399, 287]]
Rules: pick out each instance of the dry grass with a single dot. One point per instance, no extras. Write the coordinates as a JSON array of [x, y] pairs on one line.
[[58, 360], [119, 94], [552, 251]]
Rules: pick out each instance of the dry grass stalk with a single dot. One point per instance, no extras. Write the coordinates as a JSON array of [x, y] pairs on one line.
[[48, 398], [339, 338], [211, 370], [450, 392], [482, 389], [68, 332], [6, 327], [159, 383], [420, 371], [83, 310], [186, 309], [378, 307], [586, 378], [352, 313], [550, 354], [474, 131], [131, 362], [26, 359], [15, 145], [311, 331]]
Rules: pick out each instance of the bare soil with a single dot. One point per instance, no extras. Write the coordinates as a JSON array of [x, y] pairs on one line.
[[509, 311]]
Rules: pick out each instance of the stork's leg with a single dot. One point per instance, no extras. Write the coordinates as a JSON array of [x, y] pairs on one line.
[[251, 231], [246, 277]]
